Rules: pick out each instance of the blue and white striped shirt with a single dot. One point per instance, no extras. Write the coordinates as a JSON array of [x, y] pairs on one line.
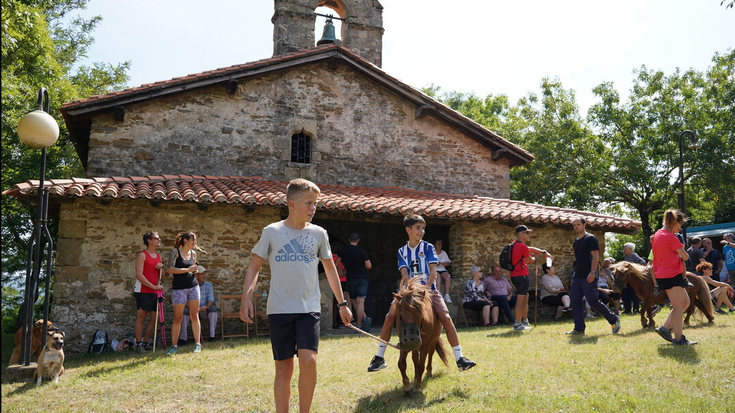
[[417, 260]]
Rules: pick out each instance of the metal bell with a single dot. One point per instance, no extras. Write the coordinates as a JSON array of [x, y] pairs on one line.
[[328, 36]]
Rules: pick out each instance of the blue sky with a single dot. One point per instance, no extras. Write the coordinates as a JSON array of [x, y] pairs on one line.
[[485, 47]]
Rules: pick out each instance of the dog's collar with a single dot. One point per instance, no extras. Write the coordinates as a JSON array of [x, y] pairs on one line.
[[45, 347]]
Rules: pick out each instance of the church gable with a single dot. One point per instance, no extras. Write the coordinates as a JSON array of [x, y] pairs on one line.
[[358, 131]]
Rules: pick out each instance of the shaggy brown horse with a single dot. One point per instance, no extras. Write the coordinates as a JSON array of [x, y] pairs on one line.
[[420, 330], [639, 277]]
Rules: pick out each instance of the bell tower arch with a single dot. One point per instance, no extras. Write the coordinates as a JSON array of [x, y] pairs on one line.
[[362, 26]]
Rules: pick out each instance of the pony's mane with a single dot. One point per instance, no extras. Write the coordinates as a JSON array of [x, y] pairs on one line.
[[413, 298], [636, 269]]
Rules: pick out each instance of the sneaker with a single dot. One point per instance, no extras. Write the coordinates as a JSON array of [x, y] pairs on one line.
[[720, 311], [656, 290], [655, 310], [148, 346], [464, 363], [172, 350], [140, 349], [575, 332], [566, 309], [527, 325], [684, 342], [590, 315], [732, 310], [378, 363], [367, 324], [447, 298], [665, 333], [521, 327], [181, 342], [197, 348], [687, 284], [616, 326]]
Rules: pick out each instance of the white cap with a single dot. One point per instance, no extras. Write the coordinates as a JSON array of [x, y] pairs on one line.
[[200, 269]]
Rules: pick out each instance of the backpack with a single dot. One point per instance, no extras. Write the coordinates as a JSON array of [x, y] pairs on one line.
[[505, 261], [99, 342]]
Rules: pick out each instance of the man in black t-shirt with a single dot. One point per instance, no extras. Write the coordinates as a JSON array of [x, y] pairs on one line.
[[584, 280], [357, 263]]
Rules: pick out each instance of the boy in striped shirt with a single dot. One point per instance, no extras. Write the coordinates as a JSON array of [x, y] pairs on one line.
[[418, 259]]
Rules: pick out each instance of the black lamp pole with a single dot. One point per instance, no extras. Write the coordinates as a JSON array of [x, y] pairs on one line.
[[35, 244], [693, 145]]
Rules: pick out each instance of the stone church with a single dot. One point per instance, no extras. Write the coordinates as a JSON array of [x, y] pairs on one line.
[[212, 152]]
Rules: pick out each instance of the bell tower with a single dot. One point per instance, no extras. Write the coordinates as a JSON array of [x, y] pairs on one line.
[[362, 26]]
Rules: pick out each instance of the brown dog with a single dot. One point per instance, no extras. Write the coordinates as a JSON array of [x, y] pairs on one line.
[[51, 359], [36, 341]]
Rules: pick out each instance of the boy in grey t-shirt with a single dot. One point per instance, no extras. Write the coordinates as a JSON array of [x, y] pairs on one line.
[[293, 248]]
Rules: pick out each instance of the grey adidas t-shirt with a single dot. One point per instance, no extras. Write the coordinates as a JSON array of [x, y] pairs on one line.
[[293, 255]]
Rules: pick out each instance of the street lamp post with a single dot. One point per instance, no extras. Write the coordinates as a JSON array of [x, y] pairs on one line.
[[38, 130], [694, 146]]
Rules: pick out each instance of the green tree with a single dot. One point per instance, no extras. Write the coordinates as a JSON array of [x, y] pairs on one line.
[[643, 136], [41, 46]]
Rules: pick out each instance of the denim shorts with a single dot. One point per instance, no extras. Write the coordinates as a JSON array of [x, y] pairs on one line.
[[358, 288]]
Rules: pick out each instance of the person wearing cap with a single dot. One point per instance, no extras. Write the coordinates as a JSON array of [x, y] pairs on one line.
[[521, 256], [357, 263], [207, 310], [148, 270]]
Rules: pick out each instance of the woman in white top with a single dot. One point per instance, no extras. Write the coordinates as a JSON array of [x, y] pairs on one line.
[[441, 270], [553, 291]]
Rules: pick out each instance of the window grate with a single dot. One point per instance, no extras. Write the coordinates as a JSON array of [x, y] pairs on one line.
[[300, 148]]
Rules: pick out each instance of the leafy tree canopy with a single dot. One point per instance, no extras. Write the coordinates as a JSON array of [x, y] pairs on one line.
[[624, 157], [42, 45]]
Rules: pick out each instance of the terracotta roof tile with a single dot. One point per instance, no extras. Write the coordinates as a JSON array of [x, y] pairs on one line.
[[259, 191]]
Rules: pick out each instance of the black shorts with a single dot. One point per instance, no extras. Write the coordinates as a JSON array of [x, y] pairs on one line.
[[146, 301], [293, 332], [345, 286], [667, 283], [521, 283]]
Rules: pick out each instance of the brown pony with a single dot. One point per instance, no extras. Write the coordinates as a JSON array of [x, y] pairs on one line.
[[420, 330], [639, 277]]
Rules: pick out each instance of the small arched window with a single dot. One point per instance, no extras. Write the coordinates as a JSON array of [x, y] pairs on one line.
[[300, 148]]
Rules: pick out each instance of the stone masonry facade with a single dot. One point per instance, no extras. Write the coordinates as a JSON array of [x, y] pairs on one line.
[[362, 28], [95, 273], [362, 135]]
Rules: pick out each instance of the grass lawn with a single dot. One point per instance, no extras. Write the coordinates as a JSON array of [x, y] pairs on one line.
[[542, 370]]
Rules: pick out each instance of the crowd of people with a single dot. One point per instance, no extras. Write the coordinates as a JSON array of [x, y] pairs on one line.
[[294, 300]]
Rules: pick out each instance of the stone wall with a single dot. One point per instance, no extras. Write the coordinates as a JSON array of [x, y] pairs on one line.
[[362, 135], [99, 240], [98, 243]]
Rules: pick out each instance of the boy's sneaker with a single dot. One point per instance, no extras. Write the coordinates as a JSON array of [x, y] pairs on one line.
[[576, 332], [464, 363], [521, 327], [684, 342], [378, 363], [527, 325], [172, 350], [616, 325], [367, 324], [197, 348], [447, 298], [665, 333]]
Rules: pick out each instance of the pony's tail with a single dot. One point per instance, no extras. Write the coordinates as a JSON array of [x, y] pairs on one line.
[[442, 351], [704, 297]]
